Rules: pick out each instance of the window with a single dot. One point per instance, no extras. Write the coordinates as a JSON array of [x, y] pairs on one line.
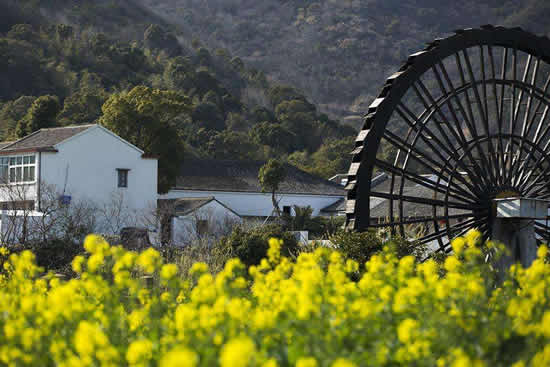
[[17, 205], [122, 177], [202, 226], [18, 169]]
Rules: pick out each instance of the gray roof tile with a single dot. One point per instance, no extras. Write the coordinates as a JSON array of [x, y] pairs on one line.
[[242, 176], [44, 138], [338, 206], [4, 144], [184, 206]]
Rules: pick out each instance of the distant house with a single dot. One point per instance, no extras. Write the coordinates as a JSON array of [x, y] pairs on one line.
[[235, 185], [191, 218], [80, 163]]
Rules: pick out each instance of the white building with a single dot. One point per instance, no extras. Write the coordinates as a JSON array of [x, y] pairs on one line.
[[235, 184], [79, 163], [191, 219]]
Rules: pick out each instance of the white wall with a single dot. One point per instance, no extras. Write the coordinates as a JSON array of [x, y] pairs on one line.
[[85, 167], [257, 204], [220, 221]]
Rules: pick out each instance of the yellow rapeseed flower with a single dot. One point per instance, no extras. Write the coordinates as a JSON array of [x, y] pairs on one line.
[[179, 357], [407, 330], [139, 352], [274, 251], [452, 264], [168, 271], [342, 362], [473, 237], [458, 245], [542, 251], [306, 362], [238, 352], [149, 260]]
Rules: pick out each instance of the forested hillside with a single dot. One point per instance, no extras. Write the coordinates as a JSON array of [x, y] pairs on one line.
[[106, 63], [242, 79], [338, 51]]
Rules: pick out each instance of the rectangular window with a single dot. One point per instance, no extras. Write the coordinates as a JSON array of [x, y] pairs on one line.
[[202, 227], [4, 169], [19, 169], [122, 177]]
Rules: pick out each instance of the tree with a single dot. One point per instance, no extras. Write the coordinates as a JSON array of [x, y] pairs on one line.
[[82, 107], [208, 115], [274, 135], [233, 145], [332, 157], [281, 93], [205, 81], [145, 117], [156, 38], [11, 112], [179, 73], [261, 114], [294, 107], [21, 32], [42, 114], [270, 176]]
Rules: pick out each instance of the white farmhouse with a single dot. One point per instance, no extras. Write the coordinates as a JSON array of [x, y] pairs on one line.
[[190, 219], [81, 163], [235, 185]]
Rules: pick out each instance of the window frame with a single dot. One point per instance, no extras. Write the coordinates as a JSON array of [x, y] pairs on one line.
[[15, 162], [122, 173]]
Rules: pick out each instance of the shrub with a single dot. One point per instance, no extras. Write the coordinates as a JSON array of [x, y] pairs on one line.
[[402, 247], [200, 250], [250, 245], [53, 255], [358, 246]]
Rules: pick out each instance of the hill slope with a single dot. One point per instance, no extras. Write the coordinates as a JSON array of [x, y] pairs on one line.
[[233, 111], [338, 52]]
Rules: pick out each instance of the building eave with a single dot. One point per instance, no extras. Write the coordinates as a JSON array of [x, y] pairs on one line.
[[28, 150]]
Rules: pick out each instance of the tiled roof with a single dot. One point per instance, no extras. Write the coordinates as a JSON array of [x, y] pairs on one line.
[[43, 138], [338, 206], [4, 144], [242, 176], [184, 206]]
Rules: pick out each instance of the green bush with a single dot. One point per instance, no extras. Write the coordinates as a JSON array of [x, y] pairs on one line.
[[402, 247], [358, 246], [250, 245], [54, 255]]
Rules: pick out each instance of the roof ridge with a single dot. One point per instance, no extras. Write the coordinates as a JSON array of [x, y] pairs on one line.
[[67, 127]]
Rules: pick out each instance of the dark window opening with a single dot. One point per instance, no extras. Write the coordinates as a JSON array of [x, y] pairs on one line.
[[17, 205], [202, 226], [122, 177]]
